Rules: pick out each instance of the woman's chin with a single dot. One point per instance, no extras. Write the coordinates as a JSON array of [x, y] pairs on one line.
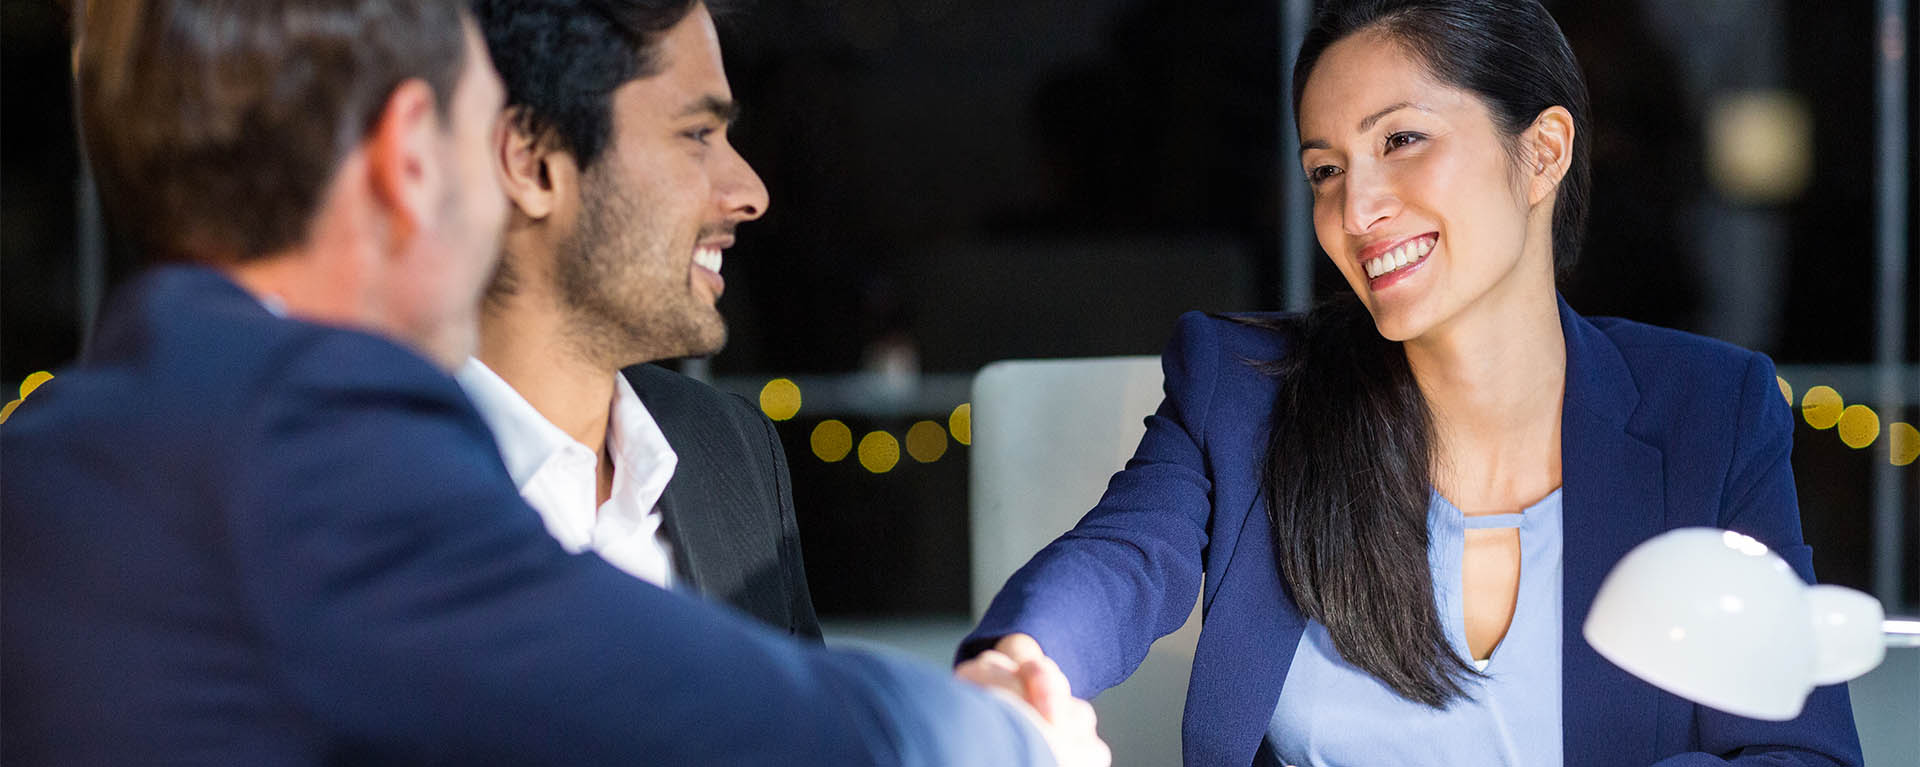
[[1395, 323]]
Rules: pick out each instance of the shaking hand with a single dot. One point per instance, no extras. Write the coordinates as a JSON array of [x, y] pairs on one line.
[[1023, 676]]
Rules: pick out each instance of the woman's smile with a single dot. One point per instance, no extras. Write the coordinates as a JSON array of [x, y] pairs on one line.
[[1386, 263]]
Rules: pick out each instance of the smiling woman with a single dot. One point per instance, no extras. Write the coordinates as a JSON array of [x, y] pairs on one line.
[[1445, 188], [1404, 497]]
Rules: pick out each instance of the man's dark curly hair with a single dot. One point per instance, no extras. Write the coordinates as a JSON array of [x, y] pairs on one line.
[[561, 61]]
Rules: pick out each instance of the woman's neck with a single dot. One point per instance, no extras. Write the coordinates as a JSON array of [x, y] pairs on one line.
[[1495, 378]]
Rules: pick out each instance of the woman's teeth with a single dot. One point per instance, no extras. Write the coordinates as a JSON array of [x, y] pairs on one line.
[[1399, 257], [707, 258]]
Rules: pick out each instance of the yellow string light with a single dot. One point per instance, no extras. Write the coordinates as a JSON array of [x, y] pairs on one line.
[[780, 399], [926, 442], [1859, 426], [879, 452], [1903, 444], [32, 382], [831, 441], [961, 423], [1821, 407]]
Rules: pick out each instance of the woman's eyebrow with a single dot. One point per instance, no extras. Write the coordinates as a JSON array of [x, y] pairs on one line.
[[1366, 123]]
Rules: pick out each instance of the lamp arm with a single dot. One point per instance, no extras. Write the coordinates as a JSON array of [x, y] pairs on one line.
[[1901, 632]]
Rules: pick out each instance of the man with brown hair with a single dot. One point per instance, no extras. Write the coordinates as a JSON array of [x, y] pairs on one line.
[[260, 524]]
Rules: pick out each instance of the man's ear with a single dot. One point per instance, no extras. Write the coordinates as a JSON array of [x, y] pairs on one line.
[[403, 161], [1548, 152], [532, 172]]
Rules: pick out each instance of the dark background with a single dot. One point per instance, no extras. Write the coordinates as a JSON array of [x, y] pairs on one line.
[[959, 182]]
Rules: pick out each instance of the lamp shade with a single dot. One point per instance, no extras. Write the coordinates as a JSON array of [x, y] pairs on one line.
[[1715, 617]]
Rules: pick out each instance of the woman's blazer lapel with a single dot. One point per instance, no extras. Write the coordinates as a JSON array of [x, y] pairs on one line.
[[1613, 498], [1612, 495]]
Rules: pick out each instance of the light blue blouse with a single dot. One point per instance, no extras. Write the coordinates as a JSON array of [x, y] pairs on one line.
[[1331, 713]]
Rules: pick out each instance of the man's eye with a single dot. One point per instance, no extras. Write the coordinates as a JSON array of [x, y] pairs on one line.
[[1403, 138], [1319, 173], [700, 134]]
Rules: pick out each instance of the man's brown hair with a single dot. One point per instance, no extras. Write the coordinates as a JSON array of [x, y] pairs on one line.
[[213, 126]]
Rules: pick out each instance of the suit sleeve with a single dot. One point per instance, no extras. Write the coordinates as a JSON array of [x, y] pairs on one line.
[[413, 604], [1761, 502], [802, 620], [1129, 571]]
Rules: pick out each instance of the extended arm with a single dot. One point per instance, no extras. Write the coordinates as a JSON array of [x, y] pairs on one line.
[[1128, 572], [413, 604]]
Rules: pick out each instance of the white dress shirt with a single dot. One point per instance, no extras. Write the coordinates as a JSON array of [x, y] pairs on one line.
[[557, 475]]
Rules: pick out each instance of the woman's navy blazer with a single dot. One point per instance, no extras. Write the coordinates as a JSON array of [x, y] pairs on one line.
[[1660, 430]]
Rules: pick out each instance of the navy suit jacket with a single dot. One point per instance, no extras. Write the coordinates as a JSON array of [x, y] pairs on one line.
[[1660, 430], [231, 538]]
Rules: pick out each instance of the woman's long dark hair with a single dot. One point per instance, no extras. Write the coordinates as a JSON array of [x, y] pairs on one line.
[[1349, 464]]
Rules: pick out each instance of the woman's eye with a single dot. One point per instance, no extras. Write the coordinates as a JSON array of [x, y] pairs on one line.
[[1320, 173], [1403, 138]]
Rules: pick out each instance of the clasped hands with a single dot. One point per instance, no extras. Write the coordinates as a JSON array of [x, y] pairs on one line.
[[1019, 672]]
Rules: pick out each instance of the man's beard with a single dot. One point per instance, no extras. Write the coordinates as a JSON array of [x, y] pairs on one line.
[[627, 296]]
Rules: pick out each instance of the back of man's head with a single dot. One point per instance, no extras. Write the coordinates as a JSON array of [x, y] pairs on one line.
[[214, 126], [562, 60]]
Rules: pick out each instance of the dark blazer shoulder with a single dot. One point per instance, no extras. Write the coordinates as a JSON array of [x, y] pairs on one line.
[[1261, 336], [1681, 377], [729, 506], [1648, 347], [670, 391], [1224, 355], [181, 333]]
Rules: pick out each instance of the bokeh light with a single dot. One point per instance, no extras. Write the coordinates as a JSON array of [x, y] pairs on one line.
[[780, 399], [832, 441], [33, 381], [27, 386], [961, 423], [1859, 426], [879, 452], [1821, 406], [1786, 390], [1903, 443], [1759, 145], [926, 442]]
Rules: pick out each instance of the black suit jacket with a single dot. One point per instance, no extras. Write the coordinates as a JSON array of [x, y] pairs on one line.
[[729, 507]]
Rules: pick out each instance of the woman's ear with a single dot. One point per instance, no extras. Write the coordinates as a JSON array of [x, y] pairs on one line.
[[1548, 152]]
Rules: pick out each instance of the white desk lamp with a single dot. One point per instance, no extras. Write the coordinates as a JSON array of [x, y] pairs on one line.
[[1715, 617]]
